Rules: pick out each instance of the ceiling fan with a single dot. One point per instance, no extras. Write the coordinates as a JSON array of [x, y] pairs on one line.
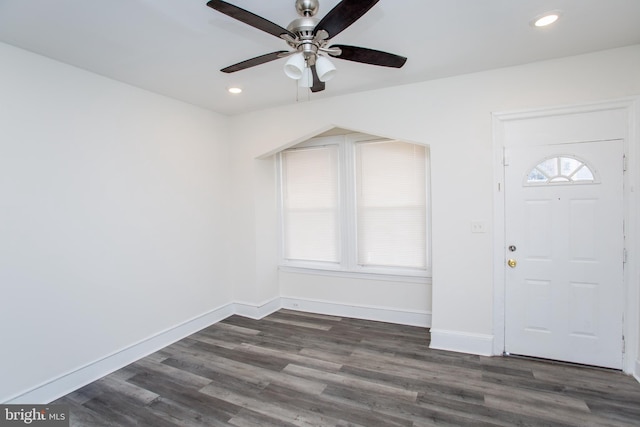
[[309, 37]]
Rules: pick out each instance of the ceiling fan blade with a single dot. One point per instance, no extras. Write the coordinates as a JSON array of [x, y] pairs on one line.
[[342, 15], [249, 18], [370, 56], [317, 84], [254, 61]]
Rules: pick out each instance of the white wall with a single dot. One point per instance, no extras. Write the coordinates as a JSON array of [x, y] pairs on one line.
[[404, 302], [253, 229], [453, 117], [113, 213]]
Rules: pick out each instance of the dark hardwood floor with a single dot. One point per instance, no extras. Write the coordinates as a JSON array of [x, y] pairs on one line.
[[301, 369]]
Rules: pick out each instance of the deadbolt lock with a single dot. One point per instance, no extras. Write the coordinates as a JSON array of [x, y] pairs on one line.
[[512, 263]]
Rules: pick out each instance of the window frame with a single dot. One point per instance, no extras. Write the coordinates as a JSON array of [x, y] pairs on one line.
[[348, 241]]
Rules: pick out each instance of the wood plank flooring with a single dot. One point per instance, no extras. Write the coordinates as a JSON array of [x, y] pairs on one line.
[[300, 369]]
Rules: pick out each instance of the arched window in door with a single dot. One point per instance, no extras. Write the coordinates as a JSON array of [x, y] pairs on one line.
[[565, 169]]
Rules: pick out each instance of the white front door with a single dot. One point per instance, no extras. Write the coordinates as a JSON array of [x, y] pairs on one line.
[[564, 239]]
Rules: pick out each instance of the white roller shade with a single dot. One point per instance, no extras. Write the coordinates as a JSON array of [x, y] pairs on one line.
[[391, 204], [311, 204]]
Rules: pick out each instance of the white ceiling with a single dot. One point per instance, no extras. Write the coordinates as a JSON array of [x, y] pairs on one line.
[[177, 47]]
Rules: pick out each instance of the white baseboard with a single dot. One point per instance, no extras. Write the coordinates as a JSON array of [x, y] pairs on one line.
[[77, 378], [636, 374], [380, 314], [73, 380], [258, 311], [462, 342]]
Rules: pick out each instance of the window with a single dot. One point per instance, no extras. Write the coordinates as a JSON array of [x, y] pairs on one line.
[[355, 204], [311, 223], [560, 170]]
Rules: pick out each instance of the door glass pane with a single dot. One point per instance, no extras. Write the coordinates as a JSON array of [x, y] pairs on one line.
[[549, 167], [568, 165], [583, 174], [536, 176]]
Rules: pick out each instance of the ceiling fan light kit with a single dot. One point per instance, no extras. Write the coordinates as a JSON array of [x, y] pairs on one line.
[[308, 37], [325, 69], [295, 66]]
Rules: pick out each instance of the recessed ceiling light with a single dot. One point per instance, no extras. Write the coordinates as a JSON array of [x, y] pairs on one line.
[[546, 19], [235, 90]]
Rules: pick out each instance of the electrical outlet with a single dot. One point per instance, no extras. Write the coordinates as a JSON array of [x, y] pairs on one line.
[[478, 227]]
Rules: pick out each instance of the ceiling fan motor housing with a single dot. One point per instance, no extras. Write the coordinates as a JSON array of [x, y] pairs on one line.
[[307, 7], [303, 28]]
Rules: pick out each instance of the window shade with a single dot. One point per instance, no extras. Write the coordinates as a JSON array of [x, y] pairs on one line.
[[391, 204], [311, 204]]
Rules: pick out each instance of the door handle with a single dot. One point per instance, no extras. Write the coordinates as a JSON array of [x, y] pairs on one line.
[[512, 263]]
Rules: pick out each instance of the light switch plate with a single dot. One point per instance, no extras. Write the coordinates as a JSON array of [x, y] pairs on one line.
[[478, 227]]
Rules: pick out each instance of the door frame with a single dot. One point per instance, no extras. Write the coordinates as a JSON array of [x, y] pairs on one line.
[[630, 132]]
